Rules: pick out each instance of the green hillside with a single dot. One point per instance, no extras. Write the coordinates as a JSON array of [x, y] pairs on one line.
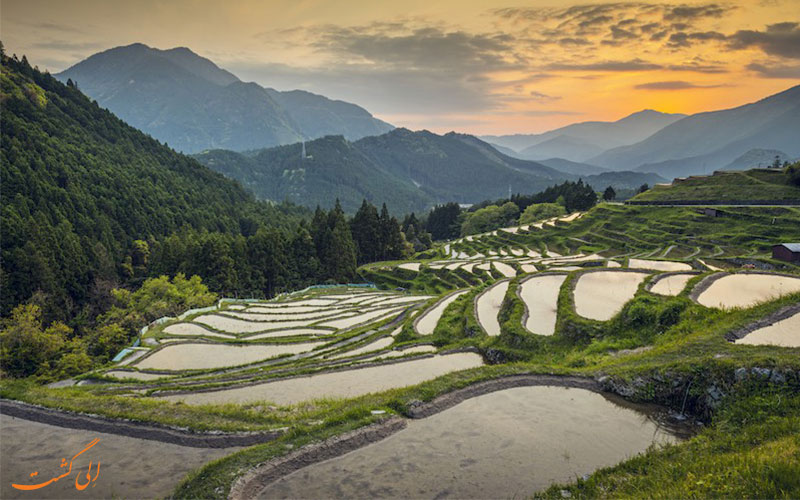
[[79, 186], [722, 186], [332, 169]]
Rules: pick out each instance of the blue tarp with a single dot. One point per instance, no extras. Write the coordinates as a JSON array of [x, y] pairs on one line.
[[121, 355]]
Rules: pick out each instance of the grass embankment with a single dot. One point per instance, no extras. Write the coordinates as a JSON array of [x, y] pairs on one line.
[[662, 232], [756, 184]]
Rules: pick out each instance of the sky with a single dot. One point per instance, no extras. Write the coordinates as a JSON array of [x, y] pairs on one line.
[[481, 67]]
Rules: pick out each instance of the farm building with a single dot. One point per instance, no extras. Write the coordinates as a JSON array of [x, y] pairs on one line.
[[790, 252]]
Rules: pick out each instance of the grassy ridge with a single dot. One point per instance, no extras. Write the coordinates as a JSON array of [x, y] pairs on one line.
[[756, 184]]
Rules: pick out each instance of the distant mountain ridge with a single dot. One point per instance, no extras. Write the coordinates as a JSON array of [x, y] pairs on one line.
[[705, 142], [409, 170], [580, 141], [189, 102]]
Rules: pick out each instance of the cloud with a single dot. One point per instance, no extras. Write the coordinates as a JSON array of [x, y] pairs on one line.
[[567, 41], [673, 85], [685, 12], [631, 65], [698, 67], [776, 71], [540, 97], [682, 39], [782, 39]]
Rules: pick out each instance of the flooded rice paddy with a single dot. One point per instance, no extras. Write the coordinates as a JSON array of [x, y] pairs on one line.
[[540, 295], [487, 306], [784, 333], [507, 444], [206, 356], [128, 467], [601, 295], [339, 384], [671, 285], [747, 290]]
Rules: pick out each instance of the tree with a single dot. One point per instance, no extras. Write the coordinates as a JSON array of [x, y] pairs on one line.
[[644, 187], [793, 173], [442, 221], [776, 163], [339, 254], [25, 347], [541, 211], [365, 227], [490, 218], [609, 194]]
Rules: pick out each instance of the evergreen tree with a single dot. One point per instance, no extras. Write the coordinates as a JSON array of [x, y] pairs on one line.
[[365, 227], [609, 194], [339, 254], [442, 221]]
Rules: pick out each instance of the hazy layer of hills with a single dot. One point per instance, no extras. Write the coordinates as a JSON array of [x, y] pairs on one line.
[[408, 170], [187, 101], [704, 142], [580, 141], [757, 158]]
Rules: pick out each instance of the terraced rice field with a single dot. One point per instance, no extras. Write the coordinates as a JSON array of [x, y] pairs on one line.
[[658, 265], [540, 295], [204, 356], [601, 295], [268, 333], [747, 289], [339, 384], [507, 444], [784, 333], [671, 285], [487, 306], [426, 324]]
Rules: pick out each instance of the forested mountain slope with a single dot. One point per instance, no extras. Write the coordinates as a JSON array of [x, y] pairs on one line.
[[79, 186]]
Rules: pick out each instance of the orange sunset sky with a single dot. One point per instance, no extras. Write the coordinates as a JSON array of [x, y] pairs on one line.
[[483, 67]]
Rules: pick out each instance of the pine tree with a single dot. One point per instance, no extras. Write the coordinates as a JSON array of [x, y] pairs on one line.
[[365, 229]]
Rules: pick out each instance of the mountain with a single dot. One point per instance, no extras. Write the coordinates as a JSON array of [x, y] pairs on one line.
[[581, 141], [704, 142], [506, 151], [757, 158], [80, 185], [572, 167], [190, 103], [410, 171], [332, 169], [562, 146], [623, 180], [456, 167]]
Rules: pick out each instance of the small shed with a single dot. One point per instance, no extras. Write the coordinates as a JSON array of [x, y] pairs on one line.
[[711, 212], [790, 252]]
